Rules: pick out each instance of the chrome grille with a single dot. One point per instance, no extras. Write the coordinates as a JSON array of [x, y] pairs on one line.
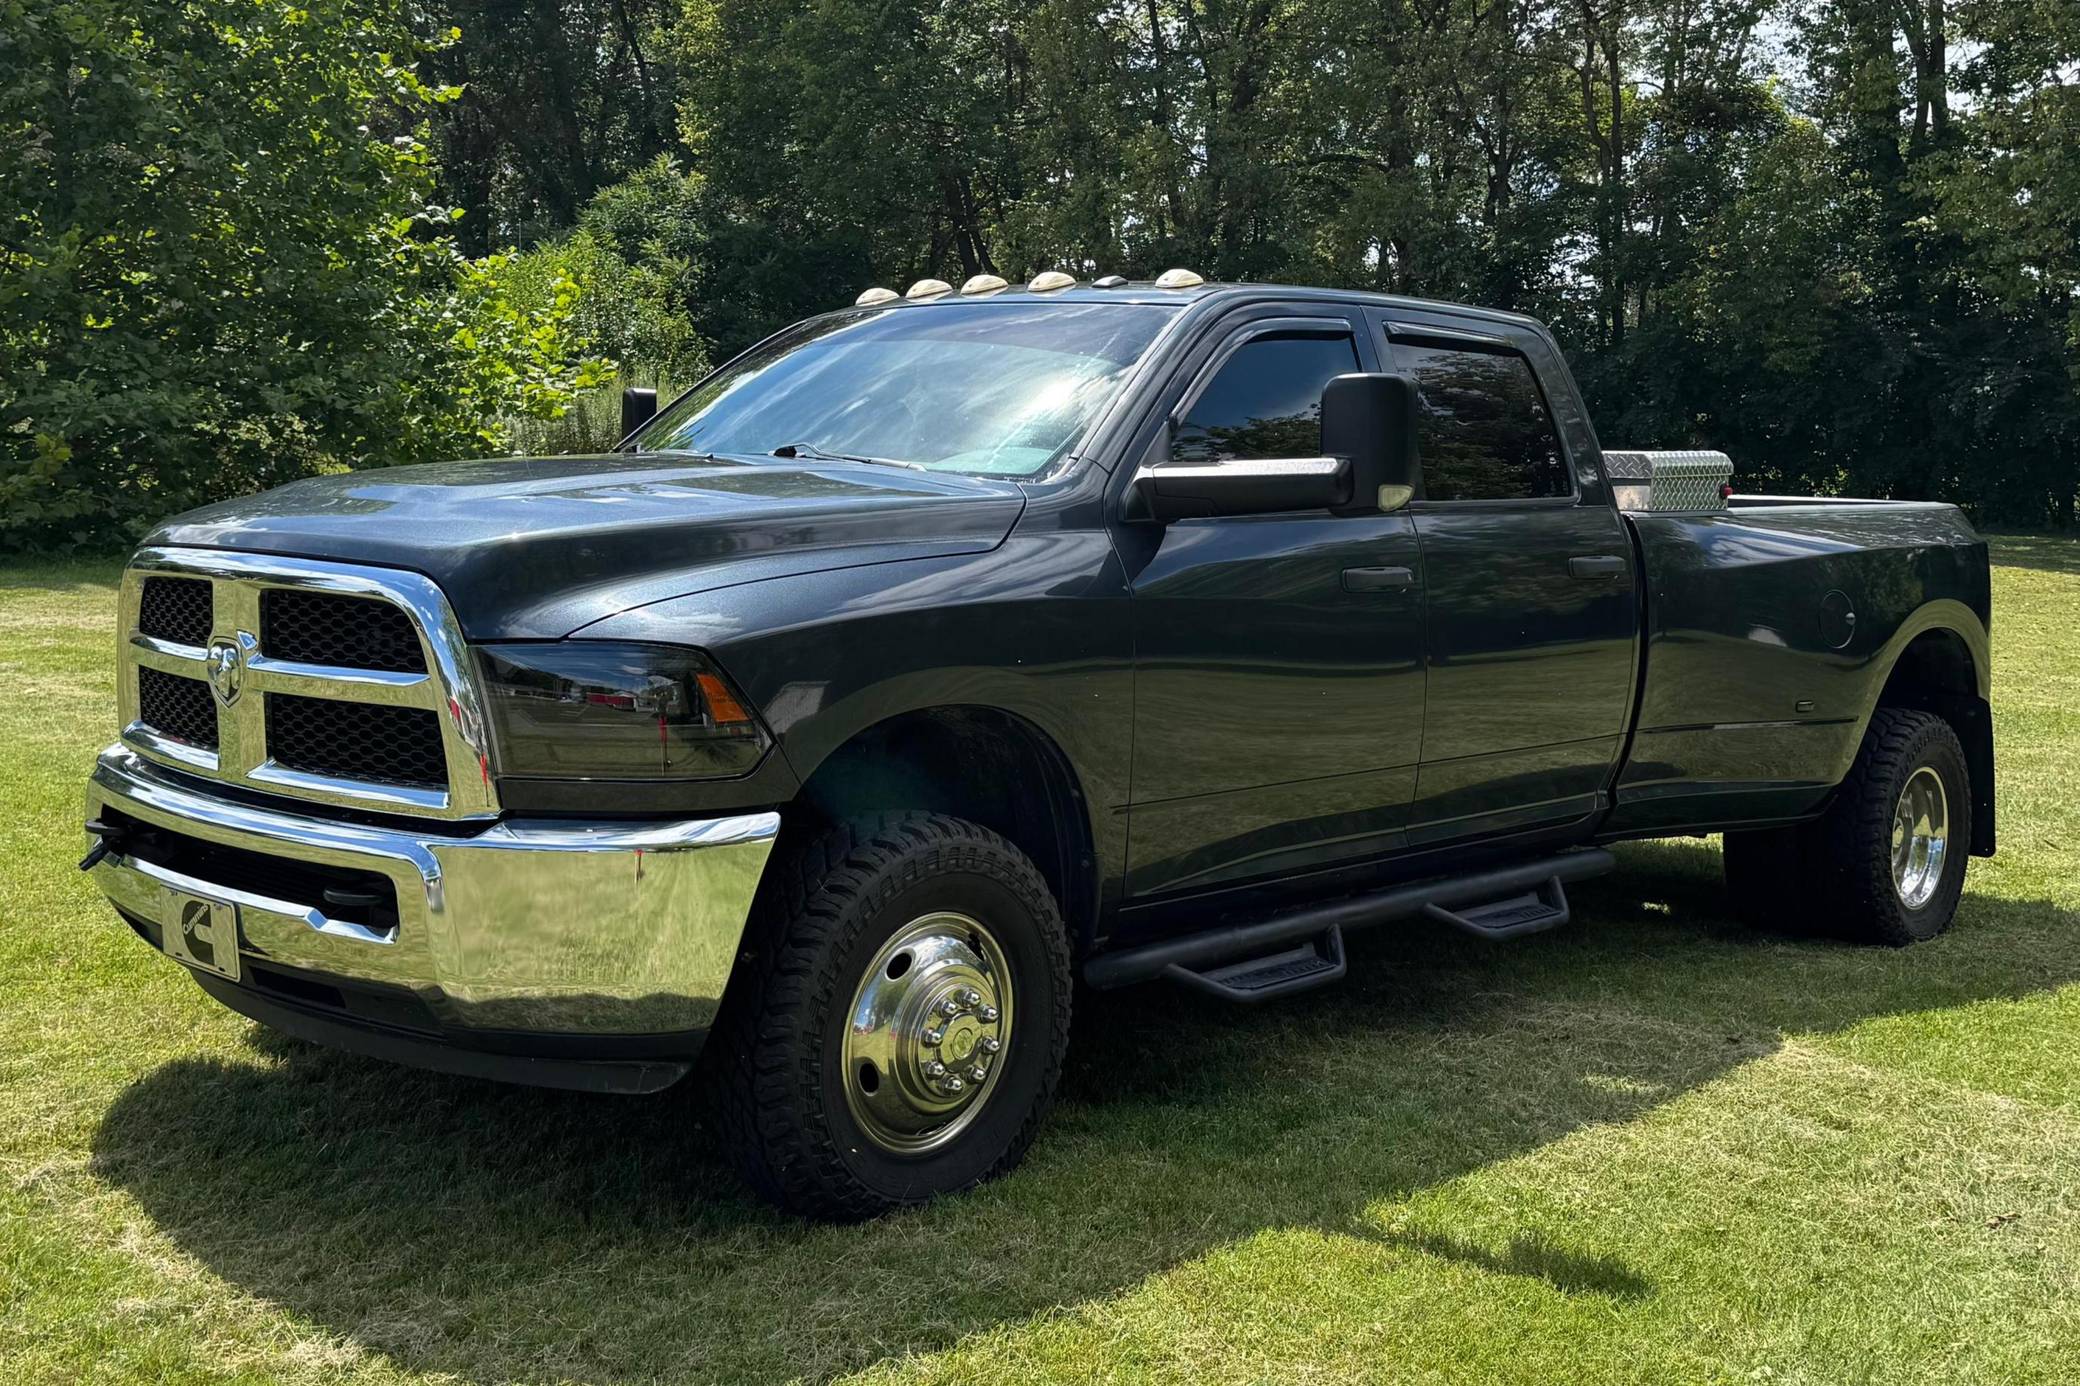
[[180, 708], [353, 632], [357, 741], [175, 610], [328, 682]]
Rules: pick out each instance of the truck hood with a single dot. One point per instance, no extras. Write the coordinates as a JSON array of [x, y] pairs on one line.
[[533, 548]]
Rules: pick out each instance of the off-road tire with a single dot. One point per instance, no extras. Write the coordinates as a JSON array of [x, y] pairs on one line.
[[1835, 874], [775, 1055], [1854, 841]]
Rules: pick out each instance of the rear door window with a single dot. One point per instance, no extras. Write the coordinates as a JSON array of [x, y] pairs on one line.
[[1482, 425]]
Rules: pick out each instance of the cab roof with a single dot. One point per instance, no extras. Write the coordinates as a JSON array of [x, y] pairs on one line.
[[1144, 291]]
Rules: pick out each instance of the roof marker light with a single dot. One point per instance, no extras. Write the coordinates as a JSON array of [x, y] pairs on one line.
[[984, 284], [929, 288], [1110, 281], [1179, 279], [1047, 281], [872, 296]]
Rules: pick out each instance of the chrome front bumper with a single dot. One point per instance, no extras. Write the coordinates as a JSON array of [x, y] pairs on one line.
[[579, 928]]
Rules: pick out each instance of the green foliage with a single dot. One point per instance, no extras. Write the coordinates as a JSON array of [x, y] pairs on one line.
[[222, 266], [1865, 290], [628, 313], [559, 99], [507, 344], [1838, 238]]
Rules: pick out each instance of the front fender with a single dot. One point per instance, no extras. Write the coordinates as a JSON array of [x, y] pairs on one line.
[[1037, 627]]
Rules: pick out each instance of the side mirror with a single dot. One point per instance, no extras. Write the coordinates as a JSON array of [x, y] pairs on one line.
[[1370, 419], [638, 407], [1368, 464]]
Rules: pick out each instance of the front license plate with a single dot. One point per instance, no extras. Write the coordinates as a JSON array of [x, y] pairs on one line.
[[201, 932]]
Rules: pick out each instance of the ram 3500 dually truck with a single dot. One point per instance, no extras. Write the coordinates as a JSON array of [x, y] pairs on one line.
[[944, 649]]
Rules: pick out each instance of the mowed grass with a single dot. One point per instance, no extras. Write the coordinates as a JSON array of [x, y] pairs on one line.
[[1648, 1147]]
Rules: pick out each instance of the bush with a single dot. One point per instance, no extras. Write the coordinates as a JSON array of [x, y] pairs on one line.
[[625, 313], [222, 267]]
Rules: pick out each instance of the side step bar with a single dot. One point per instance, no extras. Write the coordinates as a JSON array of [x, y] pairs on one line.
[[1513, 916], [1507, 902], [1315, 963]]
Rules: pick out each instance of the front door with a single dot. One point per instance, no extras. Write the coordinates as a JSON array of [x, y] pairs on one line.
[[1531, 610], [1278, 704]]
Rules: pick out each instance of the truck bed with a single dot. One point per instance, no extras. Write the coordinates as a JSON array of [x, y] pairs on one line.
[[1769, 627]]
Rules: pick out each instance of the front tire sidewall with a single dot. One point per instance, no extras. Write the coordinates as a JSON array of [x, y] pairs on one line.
[[1022, 1089]]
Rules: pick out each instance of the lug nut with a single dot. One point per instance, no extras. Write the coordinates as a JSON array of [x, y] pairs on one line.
[[933, 1036], [989, 1015], [954, 1085], [978, 1073], [934, 1068], [991, 1044], [970, 996], [949, 1008]]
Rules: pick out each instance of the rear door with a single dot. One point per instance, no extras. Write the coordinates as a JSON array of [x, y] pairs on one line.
[[1278, 703], [1531, 608]]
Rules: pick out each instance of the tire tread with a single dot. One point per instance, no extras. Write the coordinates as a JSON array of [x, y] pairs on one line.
[[767, 1080]]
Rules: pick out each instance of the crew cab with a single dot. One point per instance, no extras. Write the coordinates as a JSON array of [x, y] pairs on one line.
[[943, 649]]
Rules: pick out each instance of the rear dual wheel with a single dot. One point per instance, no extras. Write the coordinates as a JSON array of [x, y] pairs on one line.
[[1886, 863], [898, 1031]]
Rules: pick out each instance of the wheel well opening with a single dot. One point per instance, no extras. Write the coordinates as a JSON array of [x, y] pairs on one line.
[[982, 764], [1935, 673]]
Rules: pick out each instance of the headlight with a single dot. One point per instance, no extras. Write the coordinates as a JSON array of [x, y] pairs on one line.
[[601, 710]]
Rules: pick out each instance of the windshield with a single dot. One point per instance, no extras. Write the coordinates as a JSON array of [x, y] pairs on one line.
[[1003, 389]]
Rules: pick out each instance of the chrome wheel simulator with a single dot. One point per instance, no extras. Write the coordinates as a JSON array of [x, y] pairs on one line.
[[1920, 837], [926, 1033]]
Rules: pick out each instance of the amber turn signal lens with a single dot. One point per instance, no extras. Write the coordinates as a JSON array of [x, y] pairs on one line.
[[723, 706]]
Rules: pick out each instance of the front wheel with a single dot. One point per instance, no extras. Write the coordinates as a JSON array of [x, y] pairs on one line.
[[900, 1024]]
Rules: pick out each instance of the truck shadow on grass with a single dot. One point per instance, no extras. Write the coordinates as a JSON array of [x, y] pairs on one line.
[[502, 1234]]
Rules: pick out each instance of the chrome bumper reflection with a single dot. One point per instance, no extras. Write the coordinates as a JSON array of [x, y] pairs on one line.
[[566, 927]]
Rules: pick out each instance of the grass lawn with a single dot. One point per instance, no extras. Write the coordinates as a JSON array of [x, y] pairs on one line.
[[1647, 1147]]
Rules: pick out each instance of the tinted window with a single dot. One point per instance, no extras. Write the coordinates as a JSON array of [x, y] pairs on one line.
[[1482, 426], [1266, 401]]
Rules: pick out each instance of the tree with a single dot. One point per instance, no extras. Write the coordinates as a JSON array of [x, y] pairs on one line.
[[556, 100], [221, 265]]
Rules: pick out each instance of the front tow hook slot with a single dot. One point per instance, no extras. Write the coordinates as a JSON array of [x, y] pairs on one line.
[[108, 837]]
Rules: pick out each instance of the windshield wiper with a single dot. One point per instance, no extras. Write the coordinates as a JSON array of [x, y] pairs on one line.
[[816, 454]]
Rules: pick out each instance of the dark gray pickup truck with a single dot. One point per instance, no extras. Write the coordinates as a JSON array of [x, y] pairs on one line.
[[945, 649]]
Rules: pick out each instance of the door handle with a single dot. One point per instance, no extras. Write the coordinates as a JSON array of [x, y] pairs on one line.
[[1377, 579], [1600, 566]]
